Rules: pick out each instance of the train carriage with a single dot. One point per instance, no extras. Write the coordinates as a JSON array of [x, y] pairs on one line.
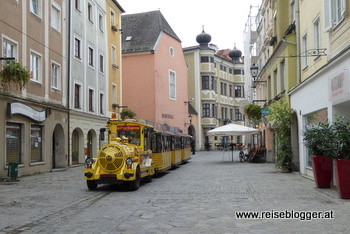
[[185, 148], [161, 152]]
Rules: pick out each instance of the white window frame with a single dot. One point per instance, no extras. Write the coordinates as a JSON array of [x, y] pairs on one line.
[[90, 12], [172, 85], [112, 18], [334, 13], [55, 8], [113, 55], [35, 7], [12, 52], [77, 5], [101, 103], [304, 48], [79, 56], [55, 76], [92, 104], [80, 107], [101, 22], [35, 67], [90, 57], [101, 63], [317, 33]]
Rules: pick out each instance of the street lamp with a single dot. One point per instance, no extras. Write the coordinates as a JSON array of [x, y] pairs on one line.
[[254, 71]]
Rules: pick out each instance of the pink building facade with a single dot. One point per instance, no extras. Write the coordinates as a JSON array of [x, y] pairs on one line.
[[154, 72]]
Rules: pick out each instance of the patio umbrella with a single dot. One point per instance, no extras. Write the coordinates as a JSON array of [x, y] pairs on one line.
[[232, 130]]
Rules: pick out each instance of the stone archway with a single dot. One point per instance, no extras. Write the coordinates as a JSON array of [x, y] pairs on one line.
[[77, 150], [91, 144], [59, 158]]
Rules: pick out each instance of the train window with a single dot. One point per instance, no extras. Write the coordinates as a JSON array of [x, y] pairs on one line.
[[130, 132]]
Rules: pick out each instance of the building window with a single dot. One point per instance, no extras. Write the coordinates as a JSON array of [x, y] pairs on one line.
[[91, 100], [55, 76], [77, 91], [55, 16], [214, 110], [334, 13], [102, 63], [230, 90], [101, 104], [222, 68], [90, 13], [35, 7], [206, 110], [275, 81], [172, 85], [35, 66], [100, 23], [77, 49], [36, 143], [223, 87], [9, 49], [204, 59], [304, 48], [239, 91], [238, 115], [172, 51], [237, 71], [205, 82], [112, 19], [230, 71], [77, 5], [114, 61], [282, 75], [317, 34], [13, 142], [91, 56]]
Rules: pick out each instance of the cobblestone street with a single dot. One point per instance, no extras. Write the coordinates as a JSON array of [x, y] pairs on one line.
[[201, 196]]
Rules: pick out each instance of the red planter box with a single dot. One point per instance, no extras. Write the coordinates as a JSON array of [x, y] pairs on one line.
[[322, 168], [342, 177]]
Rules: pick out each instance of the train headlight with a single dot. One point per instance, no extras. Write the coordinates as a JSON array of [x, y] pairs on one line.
[[89, 162], [129, 162]]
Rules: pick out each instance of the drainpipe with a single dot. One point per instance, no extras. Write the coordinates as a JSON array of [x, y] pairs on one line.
[[68, 75], [297, 23]]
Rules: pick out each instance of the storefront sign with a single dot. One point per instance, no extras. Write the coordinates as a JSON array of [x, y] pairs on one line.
[[22, 109], [339, 85]]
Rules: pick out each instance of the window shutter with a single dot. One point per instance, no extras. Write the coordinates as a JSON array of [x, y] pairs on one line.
[[327, 8]]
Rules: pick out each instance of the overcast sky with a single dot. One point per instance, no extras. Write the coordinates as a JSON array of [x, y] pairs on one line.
[[224, 20]]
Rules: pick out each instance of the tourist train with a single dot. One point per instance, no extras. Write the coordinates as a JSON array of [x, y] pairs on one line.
[[135, 152]]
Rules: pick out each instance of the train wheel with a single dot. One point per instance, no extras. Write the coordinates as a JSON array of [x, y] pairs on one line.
[[134, 185], [91, 184]]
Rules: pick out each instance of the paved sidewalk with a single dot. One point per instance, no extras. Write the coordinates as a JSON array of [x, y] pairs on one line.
[[201, 196]]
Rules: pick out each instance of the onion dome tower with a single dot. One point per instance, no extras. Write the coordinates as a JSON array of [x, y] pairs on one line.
[[203, 39], [235, 55]]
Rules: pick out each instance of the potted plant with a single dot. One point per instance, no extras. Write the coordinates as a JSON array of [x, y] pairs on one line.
[[341, 154], [318, 140], [14, 74], [280, 118], [127, 113], [253, 112]]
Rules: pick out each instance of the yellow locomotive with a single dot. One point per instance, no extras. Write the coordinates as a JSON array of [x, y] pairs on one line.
[[135, 152]]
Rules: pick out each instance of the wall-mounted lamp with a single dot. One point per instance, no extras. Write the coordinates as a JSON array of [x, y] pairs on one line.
[[254, 70], [189, 101]]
